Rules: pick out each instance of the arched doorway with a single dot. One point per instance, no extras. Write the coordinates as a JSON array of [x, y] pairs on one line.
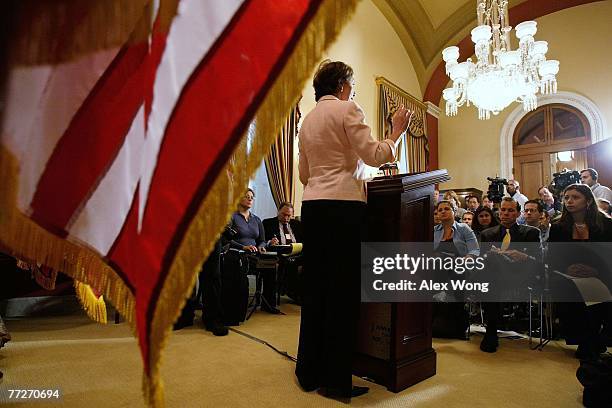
[[546, 141]]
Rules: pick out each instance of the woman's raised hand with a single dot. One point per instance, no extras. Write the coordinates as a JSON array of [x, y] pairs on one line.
[[400, 122]]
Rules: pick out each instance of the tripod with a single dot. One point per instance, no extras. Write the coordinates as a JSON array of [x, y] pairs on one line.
[[546, 319], [257, 267]]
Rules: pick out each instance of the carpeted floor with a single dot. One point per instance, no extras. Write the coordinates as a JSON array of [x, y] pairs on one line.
[[99, 366]]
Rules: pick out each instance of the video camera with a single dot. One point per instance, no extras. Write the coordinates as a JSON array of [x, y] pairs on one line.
[[496, 189], [563, 179]]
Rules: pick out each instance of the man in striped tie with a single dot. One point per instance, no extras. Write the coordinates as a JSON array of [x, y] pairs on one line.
[[504, 240]]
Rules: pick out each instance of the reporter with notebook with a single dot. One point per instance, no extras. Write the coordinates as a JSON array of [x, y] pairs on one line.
[[283, 229]]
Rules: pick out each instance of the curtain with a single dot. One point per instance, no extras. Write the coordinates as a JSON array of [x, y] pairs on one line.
[[279, 161], [390, 97]]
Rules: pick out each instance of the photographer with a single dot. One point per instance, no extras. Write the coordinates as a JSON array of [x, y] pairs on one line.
[[589, 177], [513, 191], [551, 206]]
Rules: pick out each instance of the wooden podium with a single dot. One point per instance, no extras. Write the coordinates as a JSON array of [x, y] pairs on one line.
[[394, 342]]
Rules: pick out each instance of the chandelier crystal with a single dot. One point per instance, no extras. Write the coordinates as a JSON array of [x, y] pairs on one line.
[[500, 75]]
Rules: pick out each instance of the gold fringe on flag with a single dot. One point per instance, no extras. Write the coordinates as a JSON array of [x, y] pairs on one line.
[[221, 200], [33, 244], [94, 306]]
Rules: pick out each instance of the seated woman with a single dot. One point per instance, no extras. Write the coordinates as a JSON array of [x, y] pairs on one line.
[[251, 238], [483, 218], [581, 223], [451, 238]]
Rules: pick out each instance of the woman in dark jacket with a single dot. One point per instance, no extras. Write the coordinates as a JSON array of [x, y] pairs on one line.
[[582, 224]]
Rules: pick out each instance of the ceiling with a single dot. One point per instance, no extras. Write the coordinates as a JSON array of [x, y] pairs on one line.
[[440, 10], [426, 27]]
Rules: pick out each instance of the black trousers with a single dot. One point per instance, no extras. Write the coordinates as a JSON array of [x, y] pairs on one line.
[[333, 231], [209, 290], [210, 287]]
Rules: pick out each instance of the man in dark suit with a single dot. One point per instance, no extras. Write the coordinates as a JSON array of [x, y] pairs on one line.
[[504, 241], [283, 229]]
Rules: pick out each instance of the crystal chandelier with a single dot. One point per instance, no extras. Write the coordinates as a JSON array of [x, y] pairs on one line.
[[500, 75]]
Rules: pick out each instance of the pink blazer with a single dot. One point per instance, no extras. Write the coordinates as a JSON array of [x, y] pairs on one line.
[[332, 140]]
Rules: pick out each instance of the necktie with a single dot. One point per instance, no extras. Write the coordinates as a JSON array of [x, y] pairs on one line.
[[506, 241], [287, 234]]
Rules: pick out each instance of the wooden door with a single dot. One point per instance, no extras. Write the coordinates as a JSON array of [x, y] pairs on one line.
[[600, 158], [540, 136], [532, 171]]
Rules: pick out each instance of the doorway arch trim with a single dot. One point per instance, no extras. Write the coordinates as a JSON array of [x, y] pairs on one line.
[[586, 106]]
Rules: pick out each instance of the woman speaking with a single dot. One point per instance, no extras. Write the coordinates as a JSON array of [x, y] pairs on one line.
[[334, 143]]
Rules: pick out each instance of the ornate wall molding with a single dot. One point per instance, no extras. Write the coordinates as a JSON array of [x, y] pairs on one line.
[[433, 110]]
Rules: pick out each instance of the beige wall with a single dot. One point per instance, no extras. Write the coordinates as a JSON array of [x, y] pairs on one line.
[[370, 46], [580, 38]]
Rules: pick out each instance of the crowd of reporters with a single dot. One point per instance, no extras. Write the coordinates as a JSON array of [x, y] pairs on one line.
[[494, 225]]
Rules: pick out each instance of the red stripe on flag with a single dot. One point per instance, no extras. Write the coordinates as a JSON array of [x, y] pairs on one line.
[[213, 112], [92, 140], [96, 133]]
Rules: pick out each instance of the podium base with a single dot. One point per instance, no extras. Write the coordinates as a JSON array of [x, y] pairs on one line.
[[397, 375]]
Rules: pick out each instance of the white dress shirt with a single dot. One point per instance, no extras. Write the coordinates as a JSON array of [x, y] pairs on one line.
[[600, 191]]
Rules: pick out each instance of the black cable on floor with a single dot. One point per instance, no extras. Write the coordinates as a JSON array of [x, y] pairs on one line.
[[282, 353], [249, 336]]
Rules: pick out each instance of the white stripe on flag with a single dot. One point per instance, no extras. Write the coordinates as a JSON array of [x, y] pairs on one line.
[[194, 30], [41, 102], [101, 219], [191, 35]]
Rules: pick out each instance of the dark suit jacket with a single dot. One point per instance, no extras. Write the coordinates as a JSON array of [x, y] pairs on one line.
[[508, 280], [271, 228], [518, 234], [560, 233], [594, 252]]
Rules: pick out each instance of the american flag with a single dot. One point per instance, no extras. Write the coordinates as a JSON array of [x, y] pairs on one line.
[[120, 165]]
